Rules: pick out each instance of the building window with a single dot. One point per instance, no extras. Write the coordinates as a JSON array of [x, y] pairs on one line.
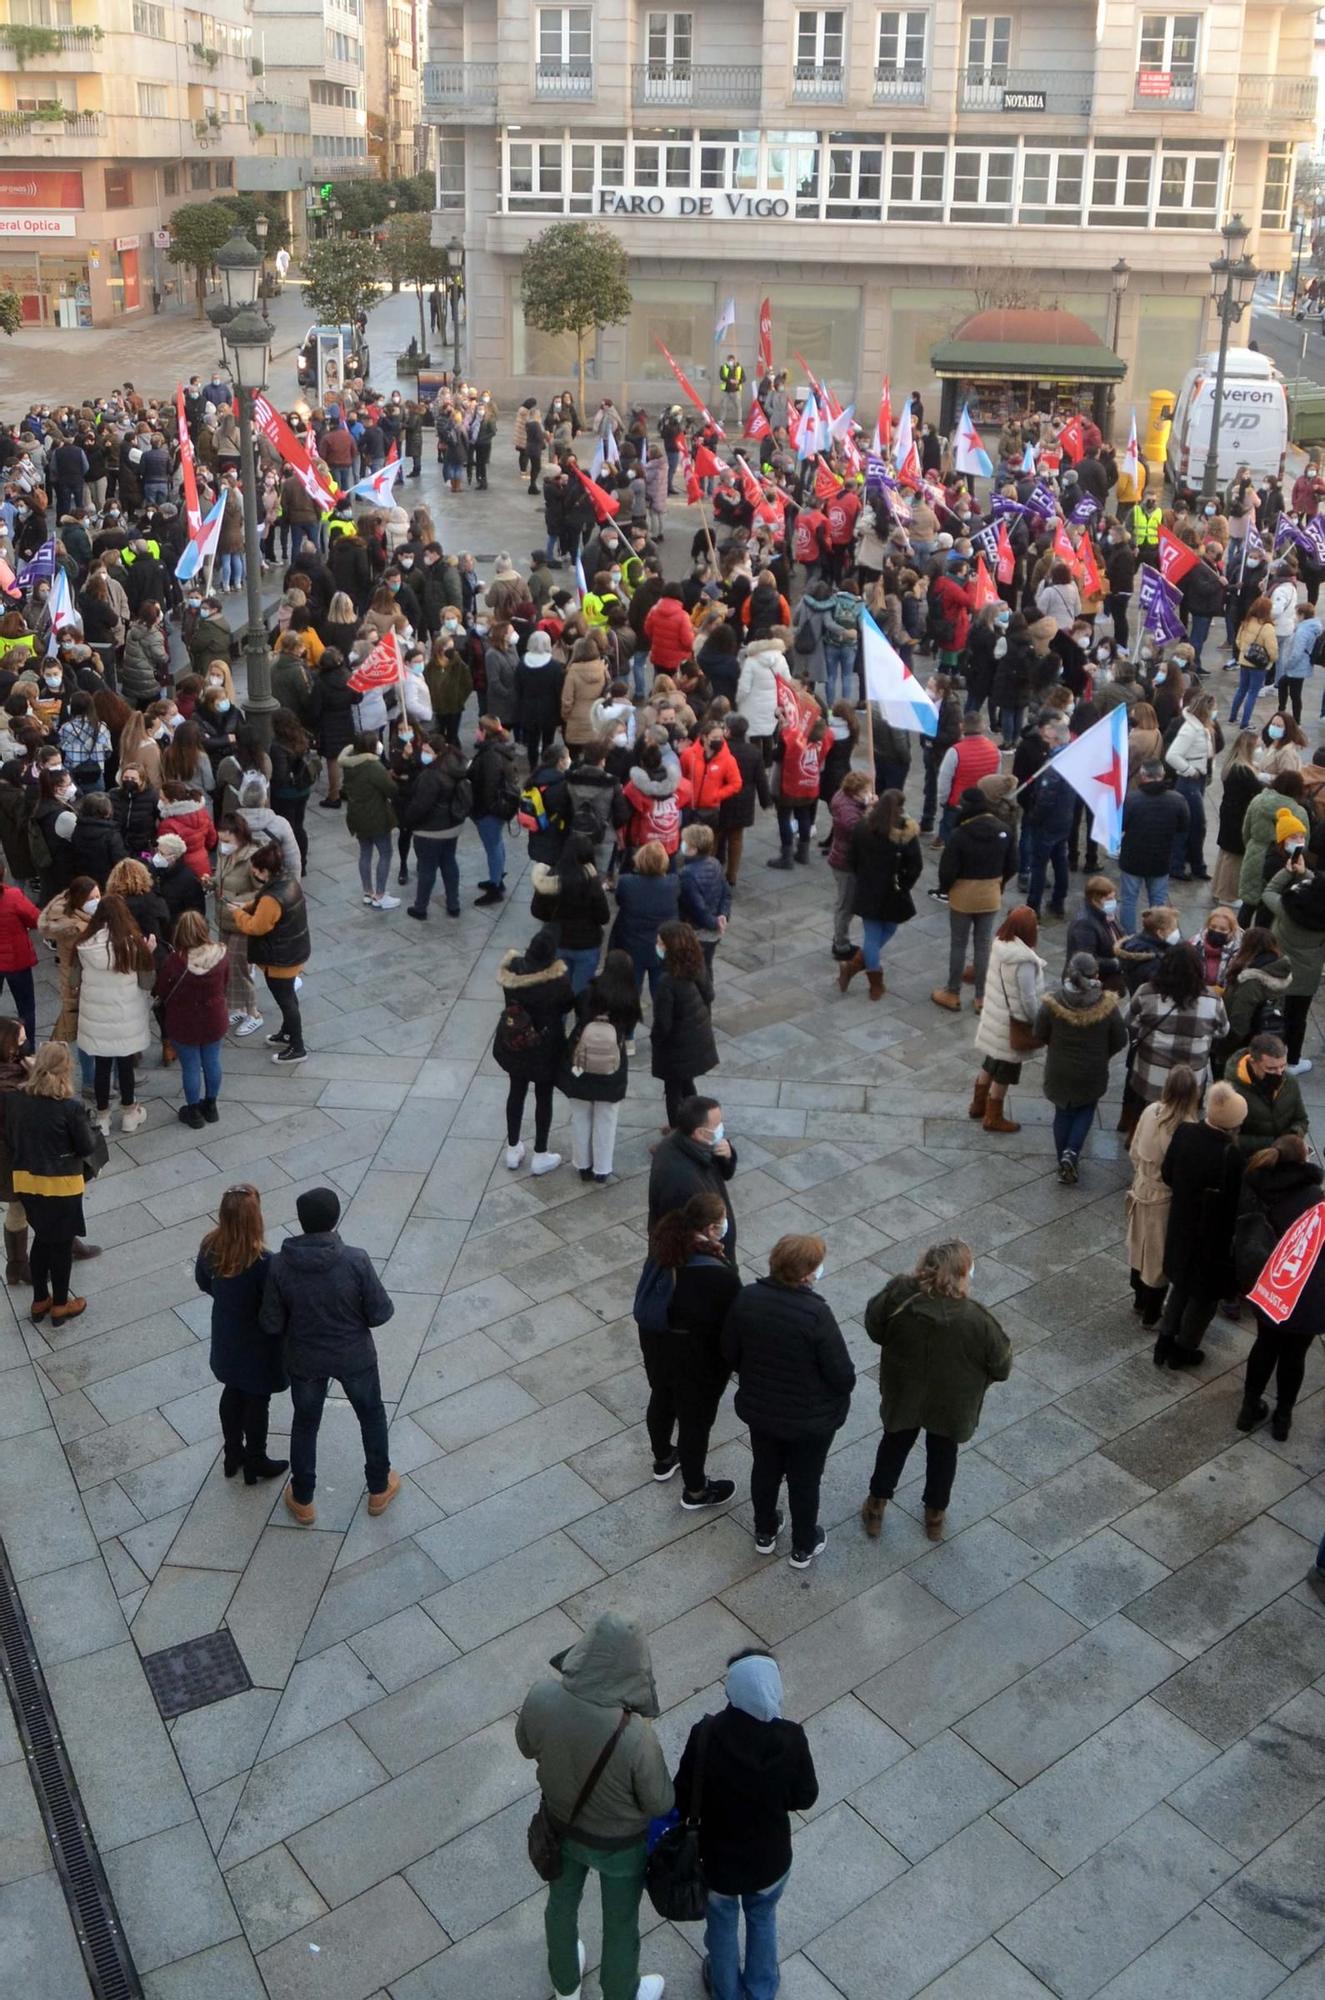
[[149, 19], [42, 13], [661, 167], [1278, 185], [225, 173], [534, 177], [200, 174], [1168, 45], [1188, 190], [988, 48], [565, 39], [915, 186], [903, 46], [982, 186], [170, 180], [119, 187], [855, 183], [1120, 191], [1052, 185], [30, 96], [670, 44], [594, 166], [153, 100], [820, 41]]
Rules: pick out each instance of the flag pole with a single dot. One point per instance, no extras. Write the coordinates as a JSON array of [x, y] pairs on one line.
[[704, 522]]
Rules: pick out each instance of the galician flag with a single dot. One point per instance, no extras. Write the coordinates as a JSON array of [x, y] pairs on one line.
[[807, 444], [377, 487], [726, 318], [968, 453], [1095, 766], [1028, 460], [1131, 464], [604, 452], [202, 544], [61, 607], [890, 683]]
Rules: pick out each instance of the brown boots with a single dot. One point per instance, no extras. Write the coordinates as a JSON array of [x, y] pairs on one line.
[[17, 1271], [979, 1097], [877, 987], [951, 1001], [872, 1516], [934, 1523], [848, 969], [994, 1121]]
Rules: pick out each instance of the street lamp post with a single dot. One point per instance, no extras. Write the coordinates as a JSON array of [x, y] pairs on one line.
[[248, 336], [261, 225], [1118, 277], [455, 272], [1232, 283]]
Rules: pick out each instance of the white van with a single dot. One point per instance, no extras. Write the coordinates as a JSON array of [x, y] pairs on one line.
[[1253, 422]]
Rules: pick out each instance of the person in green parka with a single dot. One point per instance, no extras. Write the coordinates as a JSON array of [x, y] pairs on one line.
[[1266, 823], [1295, 898], [366, 787], [940, 1350], [450, 684]]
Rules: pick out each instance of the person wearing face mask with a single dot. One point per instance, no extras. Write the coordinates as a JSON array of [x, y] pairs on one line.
[[175, 880], [1295, 898], [50, 829], [207, 641], [784, 1344], [1082, 1029], [939, 1353], [1202, 1169], [1256, 980], [1297, 658], [686, 1288], [1155, 821], [682, 1028], [233, 886], [1140, 952], [1095, 929]]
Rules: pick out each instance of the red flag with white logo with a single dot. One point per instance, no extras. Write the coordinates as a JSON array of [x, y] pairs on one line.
[[1092, 583], [1175, 558], [757, 424], [192, 510], [1063, 545], [380, 668], [707, 464], [1006, 562], [826, 483], [1278, 1291], [766, 338], [983, 586], [1072, 438]]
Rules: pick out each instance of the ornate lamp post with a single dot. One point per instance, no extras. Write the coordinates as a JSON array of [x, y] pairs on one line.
[[248, 337], [1118, 277], [1232, 283]]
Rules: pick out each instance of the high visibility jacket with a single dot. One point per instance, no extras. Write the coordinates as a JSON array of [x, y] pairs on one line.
[[1145, 525], [731, 375]]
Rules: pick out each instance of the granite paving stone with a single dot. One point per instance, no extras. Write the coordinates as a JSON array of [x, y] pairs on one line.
[[277, 1598], [272, 1896], [298, 1787], [1279, 1898], [1257, 1668], [1263, 1784], [924, 1799], [1209, 1504], [1099, 1576], [1205, 1953], [126, 1771], [170, 1896], [1201, 1603], [350, 1951]]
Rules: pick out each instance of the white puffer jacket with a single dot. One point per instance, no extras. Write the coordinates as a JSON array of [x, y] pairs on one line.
[[757, 690], [1004, 997], [114, 1016], [1189, 754]]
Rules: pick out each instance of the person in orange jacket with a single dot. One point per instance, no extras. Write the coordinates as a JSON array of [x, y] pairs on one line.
[[712, 770], [803, 753]]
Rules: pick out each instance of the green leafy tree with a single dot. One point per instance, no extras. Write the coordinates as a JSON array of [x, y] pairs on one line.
[[412, 194], [341, 276], [409, 258], [575, 279], [364, 204], [197, 232], [246, 208], [11, 309]]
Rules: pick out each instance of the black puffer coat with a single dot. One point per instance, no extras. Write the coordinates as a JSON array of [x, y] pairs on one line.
[[682, 1031], [545, 994], [795, 1373], [242, 1355], [886, 867]]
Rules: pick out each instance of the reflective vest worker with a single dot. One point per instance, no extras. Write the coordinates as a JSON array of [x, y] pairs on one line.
[[1145, 523], [731, 375]]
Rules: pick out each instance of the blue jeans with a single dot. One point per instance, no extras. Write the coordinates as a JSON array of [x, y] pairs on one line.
[[875, 935], [1010, 720], [155, 491], [1072, 1127], [1043, 854], [644, 961], [1199, 632], [86, 1066], [839, 666], [1024, 850], [1189, 848], [437, 857], [581, 963], [25, 1006], [1250, 682], [199, 1069], [1157, 892], [758, 1979], [379, 845], [364, 1393], [230, 572], [494, 848], [638, 666], [301, 532]]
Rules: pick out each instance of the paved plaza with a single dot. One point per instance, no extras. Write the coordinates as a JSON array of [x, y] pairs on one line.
[[1076, 1750]]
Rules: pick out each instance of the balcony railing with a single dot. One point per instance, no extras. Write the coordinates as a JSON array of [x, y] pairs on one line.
[[1166, 89], [284, 115], [38, 42], [1064, 93], [558, 79], [818, 83], [74, 125], [457, 83], [713, 85], [901, 83], [1277, 97]]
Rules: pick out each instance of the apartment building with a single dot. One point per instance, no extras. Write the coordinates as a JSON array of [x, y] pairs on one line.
[[314, 65], [112, 113], [393, 40], [876, 172]]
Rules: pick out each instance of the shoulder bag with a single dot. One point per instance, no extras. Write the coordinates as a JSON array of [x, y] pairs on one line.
[[544, 1840], [674, 1876], [1022, 1037]]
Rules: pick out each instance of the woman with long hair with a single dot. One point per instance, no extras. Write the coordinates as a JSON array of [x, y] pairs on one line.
[[294, 768], [50, 1141], [571, 898], [232, 882], [1257, 650], [939, 1352], [191, 991], [687, 1246], [1014, 988], [885, 863], [139, 746], [114, 1015], [1256, 985], [185, 760], [682, 1029], [15, 1068], [1149, 1196], [232, 1268], [62, 923], [595, 1071], [1240, 786], [1173, 1018], [275, 923]]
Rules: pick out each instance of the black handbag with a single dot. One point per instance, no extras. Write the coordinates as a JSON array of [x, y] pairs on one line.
[[674, 1877], [544, 1838]]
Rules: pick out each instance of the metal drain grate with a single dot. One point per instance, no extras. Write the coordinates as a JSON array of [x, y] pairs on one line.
[[110, 1968], [196, 1673]]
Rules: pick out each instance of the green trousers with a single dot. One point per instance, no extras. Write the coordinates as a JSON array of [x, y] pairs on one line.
[[621, 1875]]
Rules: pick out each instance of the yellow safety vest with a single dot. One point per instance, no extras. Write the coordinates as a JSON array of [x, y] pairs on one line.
[[731, 375], [1145, 527]]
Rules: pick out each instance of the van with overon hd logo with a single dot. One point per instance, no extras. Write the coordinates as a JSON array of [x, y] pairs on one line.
[[1253, 421]]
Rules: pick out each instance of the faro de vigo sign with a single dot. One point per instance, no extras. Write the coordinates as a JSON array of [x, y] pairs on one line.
[[719, 207]]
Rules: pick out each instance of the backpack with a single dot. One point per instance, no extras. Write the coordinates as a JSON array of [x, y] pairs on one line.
[[1268, 1018], [1254, 1239], [1318, 650], [591, 812], [597, 1051], [462, 801], [508, 798], [807, 640], [653, 1298], [531, 809], [517, 1034]]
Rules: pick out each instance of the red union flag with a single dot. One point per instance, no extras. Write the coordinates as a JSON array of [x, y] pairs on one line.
[[192, 511], [1175, 558], [1088, 570], [766, 338], [757, 424], [279, 435], [1278, 1291], [983, 587], [1007, 562], [378, 669], [1063, 548], [707, 464], [1072, 438]]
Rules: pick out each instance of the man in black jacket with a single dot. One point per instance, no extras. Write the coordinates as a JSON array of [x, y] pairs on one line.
[[1153, 818], [322, 1300], [698, 1158]]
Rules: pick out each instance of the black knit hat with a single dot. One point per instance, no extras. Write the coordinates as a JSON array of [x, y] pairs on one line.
[[318, 1210]]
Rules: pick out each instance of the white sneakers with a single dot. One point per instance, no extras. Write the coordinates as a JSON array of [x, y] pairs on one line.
[[133, 1117], [576, 1994], [101, 1120], [386, 902], [545, 1163], [248, 1024], [649, 1988], [1302, 1067], [515, 1155]]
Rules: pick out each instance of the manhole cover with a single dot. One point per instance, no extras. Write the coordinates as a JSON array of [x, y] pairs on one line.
[[196, 1673]]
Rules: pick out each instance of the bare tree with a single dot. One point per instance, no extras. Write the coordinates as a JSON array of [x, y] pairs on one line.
[[992, 289]]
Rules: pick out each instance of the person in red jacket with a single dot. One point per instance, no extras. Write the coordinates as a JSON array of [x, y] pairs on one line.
[[182, 811], [18, 920], [843, 511], [712, 772], [668, 630], [657, 796], [803, 754], [809, 539], [952, 600]]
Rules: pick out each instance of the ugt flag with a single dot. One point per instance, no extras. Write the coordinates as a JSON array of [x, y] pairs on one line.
[[1095, 766], [202, 544], [890, 683], [1131, 461], [40, 567], [968, 453], [1175, 558]]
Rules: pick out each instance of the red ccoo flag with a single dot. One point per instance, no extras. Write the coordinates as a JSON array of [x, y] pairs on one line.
[[1175, 558], [1092, 583], [605, 505], [188, 470], [751, 491], [707, 464], [826, 482], [885, 426], [1005, 565], [766, 338], [1063, 548], [380, 668], [757, 424], [1072, 438], [983, 587]]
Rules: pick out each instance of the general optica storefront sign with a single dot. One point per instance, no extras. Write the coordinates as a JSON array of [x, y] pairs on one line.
[[37, 226]]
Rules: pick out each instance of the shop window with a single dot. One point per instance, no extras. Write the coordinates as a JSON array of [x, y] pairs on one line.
[[822, 322], [682, 317], [551, 354]]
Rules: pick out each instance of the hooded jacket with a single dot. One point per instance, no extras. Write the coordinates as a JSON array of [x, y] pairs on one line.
[[1153, 818], [886, 867], [367, 786], [538, 684], [757, 1770], [1258, 838], [1269, 1113], [563, 1725], [656, 803], [1297, 903], [322, 1300], [670, 634], [713, 780], [1269, 1203], [682, 1030], [545, 994], [1268, 980], [114, 1018], [585, 683], [1084, 1031], [938, 1357], [192, 990], [757, 689], [190, 819], [978, 856]]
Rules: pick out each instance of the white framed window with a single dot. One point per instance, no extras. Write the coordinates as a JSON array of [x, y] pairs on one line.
[[149, 19], [670, 41], [1052, 186], [916, 179], [660, 166], [565, 38], [903, 44], [1120, 190], [982, 184], [988, 47], [1278, 189], [534, 175], [153, 100], [42, 13], [594, 165], [820, 40], [1188, 193], [855, 183], [31, 96], [1169, 43]]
